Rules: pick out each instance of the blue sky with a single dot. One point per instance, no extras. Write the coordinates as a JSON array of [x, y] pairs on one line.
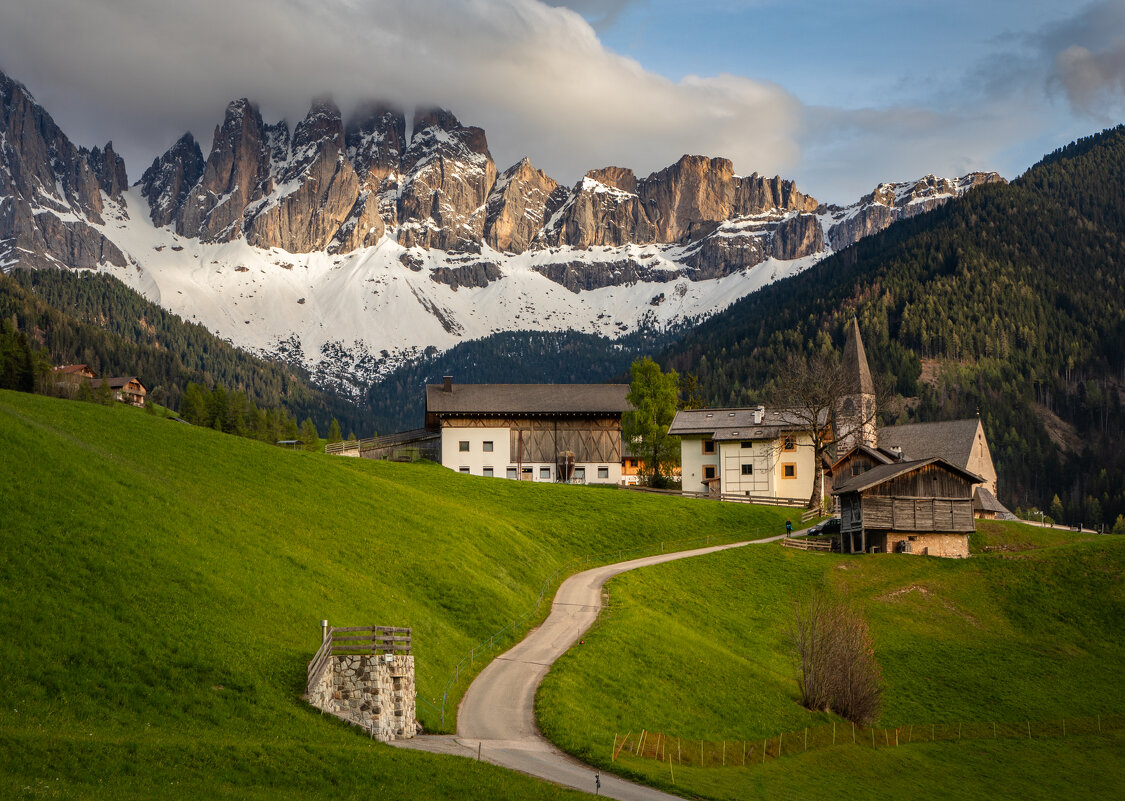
[[839, 95]]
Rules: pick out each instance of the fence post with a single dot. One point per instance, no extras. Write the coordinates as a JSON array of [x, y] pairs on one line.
[[323, 630]]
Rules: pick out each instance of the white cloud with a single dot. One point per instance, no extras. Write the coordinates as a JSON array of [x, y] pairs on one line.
[[535, 77]]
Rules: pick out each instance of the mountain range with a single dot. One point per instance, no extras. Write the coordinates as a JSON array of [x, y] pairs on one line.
[[348, 247]]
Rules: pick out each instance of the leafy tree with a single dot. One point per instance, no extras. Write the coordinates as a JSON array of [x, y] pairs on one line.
[[309, 437], [334, 434], [1056, 510], [653, 395], [689, 392], [104, 393], [1119, 525], [193, 406]]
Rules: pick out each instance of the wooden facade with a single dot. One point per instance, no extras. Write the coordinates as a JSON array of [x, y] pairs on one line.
[[531, 439], [907, 507]]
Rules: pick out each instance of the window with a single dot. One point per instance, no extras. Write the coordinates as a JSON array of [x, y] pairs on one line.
[[789, 470], [545, 473], [790, 444], [512, 473], [708, 471], [487, 472], [463, 446], [488, 446], [708, 446], [603, 472], [528, 473], [580, 474], [746, 443], [747, 469], [464, 470]]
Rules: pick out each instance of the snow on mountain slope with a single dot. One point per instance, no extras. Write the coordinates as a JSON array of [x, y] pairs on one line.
[[350, 317]]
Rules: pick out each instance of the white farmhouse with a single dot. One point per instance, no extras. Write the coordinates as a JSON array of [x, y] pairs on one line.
[[531, 432], [746, 451]]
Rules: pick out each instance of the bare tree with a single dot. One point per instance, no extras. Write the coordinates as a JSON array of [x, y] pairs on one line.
[[812, 392], [836, 660]]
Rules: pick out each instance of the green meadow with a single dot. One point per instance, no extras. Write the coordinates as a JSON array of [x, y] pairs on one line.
[[163, 586], [1032, 630]]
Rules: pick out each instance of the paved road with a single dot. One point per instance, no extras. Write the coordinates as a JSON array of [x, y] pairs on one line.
[[497, 715]]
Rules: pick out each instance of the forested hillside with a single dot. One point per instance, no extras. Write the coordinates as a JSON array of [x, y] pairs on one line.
[[94, 319], [1009, 301]]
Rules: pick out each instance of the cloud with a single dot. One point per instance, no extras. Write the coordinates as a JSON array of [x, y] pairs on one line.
[[600, 13], [1087, 59], [534, 76]]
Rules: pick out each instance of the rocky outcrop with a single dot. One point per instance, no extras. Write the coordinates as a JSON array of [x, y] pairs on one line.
[[376, 140], [796, 237], [890, 202], [448, 174], [167, 183], [478, 274], [236, 172], [51, 190], [600, 211], [517, 207], [581, 276], [313, 193], [689, 199]]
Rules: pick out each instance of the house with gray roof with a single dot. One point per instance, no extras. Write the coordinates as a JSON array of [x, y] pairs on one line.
[[531, 432]]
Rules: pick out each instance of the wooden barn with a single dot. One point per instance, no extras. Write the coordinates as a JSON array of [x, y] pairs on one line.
[[921, 507]]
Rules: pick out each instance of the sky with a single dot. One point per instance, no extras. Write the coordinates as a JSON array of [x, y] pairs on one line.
[[838, 96]]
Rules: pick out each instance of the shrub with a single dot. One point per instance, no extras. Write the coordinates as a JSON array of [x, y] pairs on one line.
[[837, 668]]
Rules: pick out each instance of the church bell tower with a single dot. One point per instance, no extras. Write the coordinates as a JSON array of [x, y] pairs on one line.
[[855, 411]]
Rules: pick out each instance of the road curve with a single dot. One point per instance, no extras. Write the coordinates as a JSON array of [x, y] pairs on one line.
[[497, 715]]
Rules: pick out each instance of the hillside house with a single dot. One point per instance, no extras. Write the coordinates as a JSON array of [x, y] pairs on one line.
[[921, 507], [127, 389], [531, 432], [961, 443], [748, 451]]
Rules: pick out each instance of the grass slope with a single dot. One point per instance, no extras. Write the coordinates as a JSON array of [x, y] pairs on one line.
[[163, 587], [699, 649]]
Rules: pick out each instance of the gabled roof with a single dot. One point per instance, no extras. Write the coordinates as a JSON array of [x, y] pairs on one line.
[[952, 440], [875, 453], [71, 369], [487, 399], [855, 363], [885, 472], [985, 501], [737, 424], [116, 383]]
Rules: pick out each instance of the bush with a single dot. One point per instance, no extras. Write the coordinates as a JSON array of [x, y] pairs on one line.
[[836, 661]]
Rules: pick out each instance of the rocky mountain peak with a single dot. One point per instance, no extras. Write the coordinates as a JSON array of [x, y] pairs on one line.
[[618, 177], [171, 177], [376, 141], [109, 169], [517, 207]]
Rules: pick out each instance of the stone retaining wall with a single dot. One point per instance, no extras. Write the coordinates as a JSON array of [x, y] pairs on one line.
[[373, 691]]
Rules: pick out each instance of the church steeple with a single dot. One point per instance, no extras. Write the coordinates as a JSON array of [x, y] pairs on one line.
[[855, 411]]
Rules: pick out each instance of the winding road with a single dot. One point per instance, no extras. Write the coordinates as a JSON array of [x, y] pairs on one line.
[[497, 715]]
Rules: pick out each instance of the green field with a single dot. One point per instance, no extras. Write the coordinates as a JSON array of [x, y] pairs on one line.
[[163, 587], [698, 649]]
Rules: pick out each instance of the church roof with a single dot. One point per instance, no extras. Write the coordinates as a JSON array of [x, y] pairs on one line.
[[855, 363], [952, 440]]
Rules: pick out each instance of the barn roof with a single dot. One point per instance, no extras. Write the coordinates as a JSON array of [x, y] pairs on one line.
[[737, 424], [116, 383], [877, 454], [885, 472], [527, 399], [985, 501], [952, 440]]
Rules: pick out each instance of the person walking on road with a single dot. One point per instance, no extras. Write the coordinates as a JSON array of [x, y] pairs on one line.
[[788, 528], [597, 783]]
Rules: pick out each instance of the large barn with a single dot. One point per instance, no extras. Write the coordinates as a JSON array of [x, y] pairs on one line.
[[531, 432]]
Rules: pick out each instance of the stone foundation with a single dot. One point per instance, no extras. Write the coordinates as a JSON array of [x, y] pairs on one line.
[[372, 691], [955, 546]]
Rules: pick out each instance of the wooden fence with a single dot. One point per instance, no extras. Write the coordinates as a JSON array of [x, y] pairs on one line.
[[356, 640], [746, 753], [807, 544], [730, 497]]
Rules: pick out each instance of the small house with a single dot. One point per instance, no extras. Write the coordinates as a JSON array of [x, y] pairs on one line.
[[921, 507], [127, 389]]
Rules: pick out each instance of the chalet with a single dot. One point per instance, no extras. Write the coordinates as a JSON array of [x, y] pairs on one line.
[[746, 451], [923, 506], [531, 432], [962, 443], [127, 389], [76, 373]]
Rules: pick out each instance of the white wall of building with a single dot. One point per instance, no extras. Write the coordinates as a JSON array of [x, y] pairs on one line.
[[766, 461], [501, 461]]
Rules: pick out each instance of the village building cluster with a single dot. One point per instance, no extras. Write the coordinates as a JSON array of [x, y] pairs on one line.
[[126, 389]]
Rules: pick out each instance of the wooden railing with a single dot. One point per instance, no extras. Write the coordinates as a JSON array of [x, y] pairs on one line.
[[806, 544], [356, 640], [730, 497]]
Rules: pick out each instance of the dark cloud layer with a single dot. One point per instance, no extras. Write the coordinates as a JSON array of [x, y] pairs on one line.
[[536, 77]]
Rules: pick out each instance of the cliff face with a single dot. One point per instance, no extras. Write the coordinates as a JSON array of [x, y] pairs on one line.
[[50, 190]]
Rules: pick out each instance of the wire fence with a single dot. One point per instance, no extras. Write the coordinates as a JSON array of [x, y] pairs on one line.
[[746, 753], [515, 629]]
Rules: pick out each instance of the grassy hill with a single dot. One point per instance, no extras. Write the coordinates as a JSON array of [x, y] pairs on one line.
[[699, 649], [163, 587]]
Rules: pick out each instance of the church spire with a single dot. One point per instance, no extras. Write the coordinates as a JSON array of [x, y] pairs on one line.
[[855, 411], [855, 363]]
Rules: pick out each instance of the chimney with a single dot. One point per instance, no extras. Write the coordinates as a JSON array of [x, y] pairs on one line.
[[759, 415], [447, 383], [898, 453]]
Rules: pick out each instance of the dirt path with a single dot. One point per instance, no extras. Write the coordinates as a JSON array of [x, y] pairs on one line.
[[497, 716]]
